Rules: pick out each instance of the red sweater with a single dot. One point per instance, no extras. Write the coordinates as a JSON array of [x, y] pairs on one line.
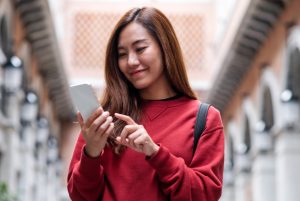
[[173, 173]]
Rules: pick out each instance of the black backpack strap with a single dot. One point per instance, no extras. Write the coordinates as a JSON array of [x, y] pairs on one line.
[[200, 123]]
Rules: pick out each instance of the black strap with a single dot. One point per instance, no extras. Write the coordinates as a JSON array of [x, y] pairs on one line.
[[200, 123]]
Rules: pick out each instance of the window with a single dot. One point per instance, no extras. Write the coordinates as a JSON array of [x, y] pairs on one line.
[[267, 110], [5, 46], [247, 138], [293, 82], [293, 63]]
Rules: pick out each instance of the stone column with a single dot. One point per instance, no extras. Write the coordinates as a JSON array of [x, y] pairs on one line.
[[263, 178], [28, 164], [228, 185], [11, 157], [288, 166], [288, 153], [263, 172], [243, 191]]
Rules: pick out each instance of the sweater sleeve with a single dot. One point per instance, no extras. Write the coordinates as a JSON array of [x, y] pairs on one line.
[[202, 178], [85, 176]]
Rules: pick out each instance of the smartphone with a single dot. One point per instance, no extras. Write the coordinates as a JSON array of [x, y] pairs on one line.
[[84, 99]]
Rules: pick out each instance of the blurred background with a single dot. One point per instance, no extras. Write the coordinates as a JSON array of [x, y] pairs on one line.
[[243, 57]]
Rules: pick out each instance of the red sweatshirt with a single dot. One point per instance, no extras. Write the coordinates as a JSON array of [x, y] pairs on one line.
[[173, 173]]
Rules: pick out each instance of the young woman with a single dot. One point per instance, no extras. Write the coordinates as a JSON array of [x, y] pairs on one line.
[[138, 145]]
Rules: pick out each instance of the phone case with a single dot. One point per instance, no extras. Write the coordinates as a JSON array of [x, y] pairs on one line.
[[84, 99]]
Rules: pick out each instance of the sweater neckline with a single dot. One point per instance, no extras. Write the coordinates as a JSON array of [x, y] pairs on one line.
[[164, 103], [154, 108], [166, 99]]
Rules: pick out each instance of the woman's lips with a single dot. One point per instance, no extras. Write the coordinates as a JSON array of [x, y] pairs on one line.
[[136, 72]]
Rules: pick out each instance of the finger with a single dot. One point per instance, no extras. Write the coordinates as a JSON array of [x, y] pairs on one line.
[[104, 126], [141, 140], [127, 130], [80, 119], [93, 116], [109, 130], [125, 118], [119, 141], [100, 120], [134, 136], [123, 136]]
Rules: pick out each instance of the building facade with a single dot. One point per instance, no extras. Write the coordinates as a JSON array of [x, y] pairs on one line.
[[257, 90], [35, 108]]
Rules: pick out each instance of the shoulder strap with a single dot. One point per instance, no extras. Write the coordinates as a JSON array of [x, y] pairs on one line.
[[200, 123]]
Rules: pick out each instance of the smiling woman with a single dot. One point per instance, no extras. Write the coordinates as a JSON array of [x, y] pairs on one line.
[[141, 62], [144, 151]]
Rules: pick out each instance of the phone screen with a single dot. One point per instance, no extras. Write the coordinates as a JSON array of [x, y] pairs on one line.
[[84, 99]]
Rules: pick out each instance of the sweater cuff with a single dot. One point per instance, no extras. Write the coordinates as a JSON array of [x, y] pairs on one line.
[[163, 161], [89, 166]]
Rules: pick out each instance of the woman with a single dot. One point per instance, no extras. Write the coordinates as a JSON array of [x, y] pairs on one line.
[[141, 150]]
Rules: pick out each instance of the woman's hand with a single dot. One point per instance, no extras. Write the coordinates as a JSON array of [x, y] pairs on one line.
[[95, 131], [136, 137]]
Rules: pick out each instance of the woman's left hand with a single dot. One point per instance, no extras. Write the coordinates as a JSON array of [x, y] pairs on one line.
[[136, 137]]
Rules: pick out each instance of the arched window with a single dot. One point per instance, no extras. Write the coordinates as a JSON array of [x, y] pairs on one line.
[[5, 44], [229, 162], [245, 144], [247, 137], [267, 110], [293, 81], [231, 151], [292, 84]]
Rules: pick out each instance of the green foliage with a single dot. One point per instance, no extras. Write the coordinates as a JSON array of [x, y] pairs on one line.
[[4, 194]]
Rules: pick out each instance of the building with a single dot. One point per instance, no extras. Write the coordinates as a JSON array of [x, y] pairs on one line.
[[257, 90], [256, 64], [35, 106]]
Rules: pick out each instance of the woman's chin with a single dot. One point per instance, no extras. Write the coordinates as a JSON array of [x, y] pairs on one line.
[[140, 85]]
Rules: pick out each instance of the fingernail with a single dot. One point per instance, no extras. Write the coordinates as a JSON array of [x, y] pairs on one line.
[[105, 114]]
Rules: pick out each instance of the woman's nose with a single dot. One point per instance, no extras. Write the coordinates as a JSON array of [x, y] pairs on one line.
[[133, 60]]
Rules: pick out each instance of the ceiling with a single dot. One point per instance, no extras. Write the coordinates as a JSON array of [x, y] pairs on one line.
[[258, 20], [37, 21]]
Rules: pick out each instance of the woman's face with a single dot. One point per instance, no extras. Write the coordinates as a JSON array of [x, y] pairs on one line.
[[140, 58]]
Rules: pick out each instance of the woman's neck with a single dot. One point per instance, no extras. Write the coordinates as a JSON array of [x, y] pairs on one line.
[[157, 93]]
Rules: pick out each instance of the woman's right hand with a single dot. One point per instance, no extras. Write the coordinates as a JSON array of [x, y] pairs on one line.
[[95, 131]]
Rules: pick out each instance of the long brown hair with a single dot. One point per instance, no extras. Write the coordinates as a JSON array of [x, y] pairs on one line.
[[120, 95]]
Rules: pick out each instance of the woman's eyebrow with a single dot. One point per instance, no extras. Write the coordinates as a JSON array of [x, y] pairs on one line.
[[139, 41], [120, 47]]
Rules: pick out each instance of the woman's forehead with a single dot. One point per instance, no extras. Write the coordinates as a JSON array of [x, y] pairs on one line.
[[132, 34]]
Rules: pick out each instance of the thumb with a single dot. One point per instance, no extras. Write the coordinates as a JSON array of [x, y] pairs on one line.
[[80, 119]]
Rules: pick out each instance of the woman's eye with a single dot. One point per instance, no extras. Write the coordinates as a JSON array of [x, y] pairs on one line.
[[122, 54], [140, 49]]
